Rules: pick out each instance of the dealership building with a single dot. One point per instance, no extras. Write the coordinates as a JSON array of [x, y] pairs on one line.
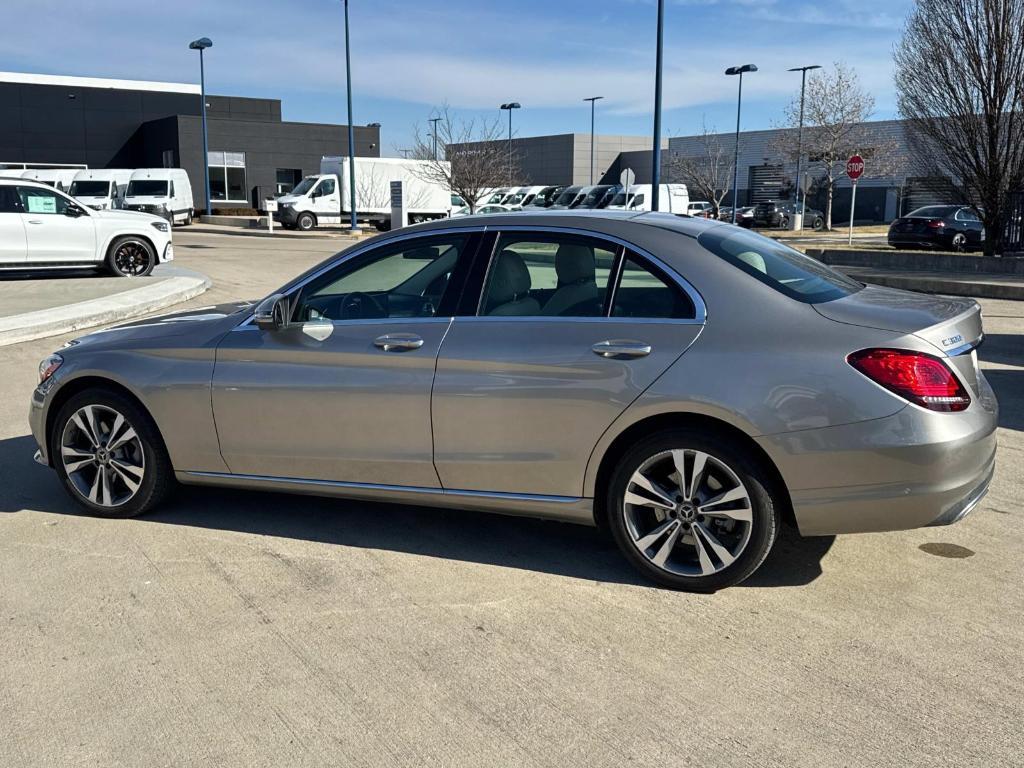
[[48, 120]]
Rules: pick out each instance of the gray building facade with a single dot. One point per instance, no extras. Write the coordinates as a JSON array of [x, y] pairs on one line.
[[56, 120]]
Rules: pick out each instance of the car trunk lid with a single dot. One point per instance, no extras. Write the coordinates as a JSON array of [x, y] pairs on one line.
[[952, 325]]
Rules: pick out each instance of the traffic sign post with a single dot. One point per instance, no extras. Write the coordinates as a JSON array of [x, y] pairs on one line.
[[854, 169], [626, 179]]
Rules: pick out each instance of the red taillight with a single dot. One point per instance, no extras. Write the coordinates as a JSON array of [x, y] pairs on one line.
[[936, 224], [916, 376]]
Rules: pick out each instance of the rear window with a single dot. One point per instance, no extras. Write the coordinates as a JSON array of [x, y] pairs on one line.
[[932, 212], [786, 270]]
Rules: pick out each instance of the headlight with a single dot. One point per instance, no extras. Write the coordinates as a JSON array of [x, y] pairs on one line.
[[49, 366], [286, 205], [161, 225]]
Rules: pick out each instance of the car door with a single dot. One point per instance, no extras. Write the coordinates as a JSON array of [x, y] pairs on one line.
[[568, 332], [342, 392], [12, 228], [327, 200], [56, 228]]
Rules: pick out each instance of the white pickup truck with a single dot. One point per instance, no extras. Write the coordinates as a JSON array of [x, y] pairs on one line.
[[324, 198], [43, 228]]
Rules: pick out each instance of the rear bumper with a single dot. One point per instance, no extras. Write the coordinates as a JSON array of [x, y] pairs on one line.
[[909, 470], [919, 240]]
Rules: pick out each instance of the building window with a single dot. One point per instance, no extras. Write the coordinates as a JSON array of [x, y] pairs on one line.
[[227, 177], [287, 178]]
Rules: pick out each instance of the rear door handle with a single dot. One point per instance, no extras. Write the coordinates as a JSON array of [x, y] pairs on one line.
[[398, 342], [620, 348], [35, 221]]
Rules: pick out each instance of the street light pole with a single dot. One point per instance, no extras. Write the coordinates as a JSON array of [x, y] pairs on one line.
[[434, 121], [510, 106], [200, 45], [800, 139], [354, 225], [592, 99], [656, 159], [736, 157]]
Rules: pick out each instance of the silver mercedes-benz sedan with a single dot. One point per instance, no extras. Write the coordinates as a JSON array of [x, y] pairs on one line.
[[686, 384]]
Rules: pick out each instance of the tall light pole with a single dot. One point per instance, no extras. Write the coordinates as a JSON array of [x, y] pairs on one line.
[[656, 160], [736, 158], [433, 131], [592, 99], [201, 45], [510, 106], [354, 225], [800, 137]]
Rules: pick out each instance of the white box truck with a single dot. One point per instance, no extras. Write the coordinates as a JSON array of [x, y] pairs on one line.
[[101, 188], [672, 198], [324, 198]]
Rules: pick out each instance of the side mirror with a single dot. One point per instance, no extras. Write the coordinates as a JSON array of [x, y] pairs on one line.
[[272, 313], [73, 211]]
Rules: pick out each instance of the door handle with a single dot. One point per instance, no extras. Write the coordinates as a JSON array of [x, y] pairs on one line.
[[620, 348], [398, 342], [35, 221]]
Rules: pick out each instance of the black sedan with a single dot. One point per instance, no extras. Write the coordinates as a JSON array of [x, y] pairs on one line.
[[779, 213], [950, 227]]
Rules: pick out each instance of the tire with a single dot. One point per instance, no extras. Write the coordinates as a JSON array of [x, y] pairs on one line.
[[130, 257], [188, 219], [736, 547], [959, 242], [141, 454], [305, 222], [819, 223]]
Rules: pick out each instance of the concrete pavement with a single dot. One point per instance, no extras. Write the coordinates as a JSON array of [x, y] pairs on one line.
[[245, 629]]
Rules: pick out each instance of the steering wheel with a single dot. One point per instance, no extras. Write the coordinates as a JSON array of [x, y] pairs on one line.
[[360, 306]]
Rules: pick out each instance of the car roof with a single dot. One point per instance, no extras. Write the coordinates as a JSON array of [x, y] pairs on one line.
[[21, 181]]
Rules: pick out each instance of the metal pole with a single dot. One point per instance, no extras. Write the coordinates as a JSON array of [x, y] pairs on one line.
[[656, 159], [351, 132], [435, 121], [510, 146], [592, 103], [206, 144], [736, 156], [800, 147], [853, 202]]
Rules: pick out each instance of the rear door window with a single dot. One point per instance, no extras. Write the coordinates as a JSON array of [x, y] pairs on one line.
[[783, 268], [643, 292]]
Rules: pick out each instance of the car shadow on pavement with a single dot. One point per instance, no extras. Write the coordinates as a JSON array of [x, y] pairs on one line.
[[512, 542], [1009, 388]]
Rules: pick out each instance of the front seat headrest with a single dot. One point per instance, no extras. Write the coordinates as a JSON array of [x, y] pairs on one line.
[[510, 278], [574, 263]]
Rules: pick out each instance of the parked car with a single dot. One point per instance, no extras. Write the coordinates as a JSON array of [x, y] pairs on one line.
[[521, 196], [700, 208], [672, 198], [592, 196], [58, 178], [778, 214], [733, 384], [164, 192], [43, 228], [546, 197], [566, 197], [484, 209], [744, 216], [494, 197], [102, 188], [953, 227]]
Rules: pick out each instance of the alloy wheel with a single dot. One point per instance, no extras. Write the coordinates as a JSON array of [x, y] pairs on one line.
[[687, 512], [132, 258], [102, 456]]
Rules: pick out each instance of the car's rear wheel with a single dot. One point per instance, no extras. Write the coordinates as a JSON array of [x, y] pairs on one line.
[[131, 257], [819, 223], [109, 455], [959, 242], [305, 222], [691, 511]]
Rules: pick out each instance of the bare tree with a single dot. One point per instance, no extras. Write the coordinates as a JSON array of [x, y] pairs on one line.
[[471, 157], [834, 108], [962, 92], [708, 173]]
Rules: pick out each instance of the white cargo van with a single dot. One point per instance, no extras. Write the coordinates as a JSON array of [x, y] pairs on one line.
[[520, 196], [102, 189], [672, 198], [58, 178], [165, 192], [324, 198]]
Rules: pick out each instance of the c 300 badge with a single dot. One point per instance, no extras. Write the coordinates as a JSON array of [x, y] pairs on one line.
[[952, 340]]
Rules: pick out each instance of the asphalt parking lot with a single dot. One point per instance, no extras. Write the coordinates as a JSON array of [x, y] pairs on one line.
[[241, 629]]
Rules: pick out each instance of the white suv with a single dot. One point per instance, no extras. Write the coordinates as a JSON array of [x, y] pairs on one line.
[[42, 228]]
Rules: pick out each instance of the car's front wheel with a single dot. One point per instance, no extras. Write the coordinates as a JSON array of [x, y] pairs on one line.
[[691, 511], [305, 222], [109, 455], [131, 257]]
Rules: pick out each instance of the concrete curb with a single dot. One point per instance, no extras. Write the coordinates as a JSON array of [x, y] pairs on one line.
[[130, 303], [279, 233], [980, 287]]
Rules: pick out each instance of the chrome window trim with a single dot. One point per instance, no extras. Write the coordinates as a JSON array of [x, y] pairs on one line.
[[699, 307], [391, 488], [359, 251]]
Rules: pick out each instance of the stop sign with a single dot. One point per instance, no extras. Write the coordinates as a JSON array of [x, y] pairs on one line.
[[855, 167]]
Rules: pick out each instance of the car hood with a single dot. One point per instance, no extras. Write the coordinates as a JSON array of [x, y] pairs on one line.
[[203, 324], [945, 321], [289, 199], [118, 214]]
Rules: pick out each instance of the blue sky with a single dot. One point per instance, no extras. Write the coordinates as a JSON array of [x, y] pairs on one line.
[[410, 55]]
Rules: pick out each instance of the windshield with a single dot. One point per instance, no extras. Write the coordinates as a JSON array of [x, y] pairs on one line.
[[567, 196], [786, 270], [515, 199], [304, 186], [89, 189], [147, 188]]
